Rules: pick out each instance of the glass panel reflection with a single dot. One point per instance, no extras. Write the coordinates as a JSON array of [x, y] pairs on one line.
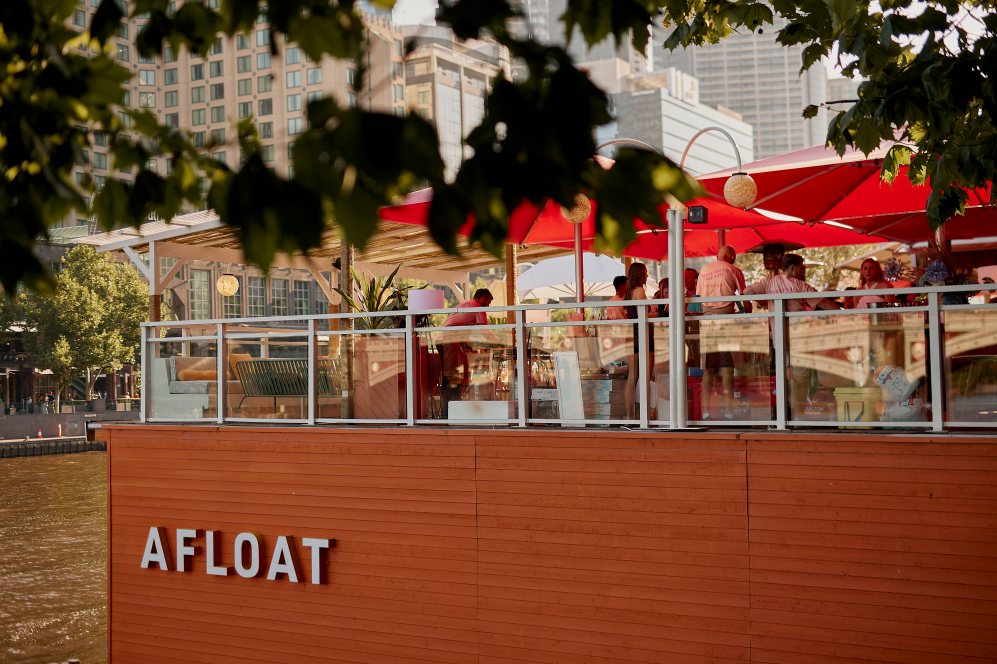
[[858, 367], [970, 365]]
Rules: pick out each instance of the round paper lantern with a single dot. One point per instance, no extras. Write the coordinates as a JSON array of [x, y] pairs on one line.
[[740, 190], [227, 285], [580, 211]]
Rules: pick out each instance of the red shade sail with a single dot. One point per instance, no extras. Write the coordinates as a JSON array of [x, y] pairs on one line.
[[817, 185]]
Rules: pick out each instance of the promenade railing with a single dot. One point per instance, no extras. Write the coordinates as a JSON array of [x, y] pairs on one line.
[[929, 365]]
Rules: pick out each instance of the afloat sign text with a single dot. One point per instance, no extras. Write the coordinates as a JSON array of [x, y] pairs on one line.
[[246, 551]]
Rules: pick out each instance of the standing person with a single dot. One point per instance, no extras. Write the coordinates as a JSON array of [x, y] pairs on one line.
[[636, 280], [662, 294], [871, 277], [720, 278], [620, 286], [456, 374], [772, 258], [792, 279]]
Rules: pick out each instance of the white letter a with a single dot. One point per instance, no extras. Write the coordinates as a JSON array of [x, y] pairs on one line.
[[154, 552]]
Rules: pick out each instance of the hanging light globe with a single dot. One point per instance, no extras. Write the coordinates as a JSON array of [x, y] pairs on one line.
[[227, 285], [740, 190], [578, 212]]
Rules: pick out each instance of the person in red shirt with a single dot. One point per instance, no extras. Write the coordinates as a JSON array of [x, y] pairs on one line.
[[456, 373]]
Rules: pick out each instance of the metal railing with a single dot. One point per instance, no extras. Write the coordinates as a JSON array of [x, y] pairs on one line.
[[928, 365]]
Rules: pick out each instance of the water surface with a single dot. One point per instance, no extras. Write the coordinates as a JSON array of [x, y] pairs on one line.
[[53, 558]]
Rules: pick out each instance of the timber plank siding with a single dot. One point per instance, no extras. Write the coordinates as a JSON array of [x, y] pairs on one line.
[[502, 546]]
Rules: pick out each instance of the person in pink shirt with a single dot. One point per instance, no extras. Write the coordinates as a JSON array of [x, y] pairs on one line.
[[720, 278], [453, 355], [482, 298]]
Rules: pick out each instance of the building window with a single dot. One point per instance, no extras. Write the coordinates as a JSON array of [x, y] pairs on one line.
[[197, 116], [218, 114], [171, 98], [243, 64], [100, 139], [245, 109], [168, 54], [294, 102], [197, 94], [300, 298], [351, 77], [197, 72], [266, 130], [216, 47], [147, 99], [245, 86], [263, 61], [198, 138], [242, 41], [278, 297], [293, 79], [200, 294], [266, 107], [397, 70], [80, 18], [264, 83], [217, 91], [351, 100], [145, 60], [263, 37], [218, 135], [266, 153], [314, 75], [232, 304], [313, 96], [292, 55], [216, 68], [172, 120], [295, 126], [170, 76], [256, 297], [100, 160], [122, 52]]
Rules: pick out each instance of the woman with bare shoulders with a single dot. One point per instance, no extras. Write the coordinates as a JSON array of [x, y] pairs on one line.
[[871, 277]]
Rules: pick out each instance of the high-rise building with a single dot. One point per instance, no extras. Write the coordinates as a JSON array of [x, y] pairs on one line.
[[760, 79], [241, 77], [663, 110], [446, 82]]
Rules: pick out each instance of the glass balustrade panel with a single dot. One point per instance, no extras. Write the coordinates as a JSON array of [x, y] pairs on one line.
[[858, 367]]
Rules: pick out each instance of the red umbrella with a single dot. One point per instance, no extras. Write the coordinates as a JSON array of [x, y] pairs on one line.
[[654, 245], [817, 185], [532, 224]]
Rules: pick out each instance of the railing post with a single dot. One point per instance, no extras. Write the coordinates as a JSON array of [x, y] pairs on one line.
[[779, 361], [521, 368], [409, 370], [935, 360], [145, 334], [312, 371], [220, 378], [642, 366]]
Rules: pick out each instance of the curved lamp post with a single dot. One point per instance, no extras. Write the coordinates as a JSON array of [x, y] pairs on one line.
[[740, 191]]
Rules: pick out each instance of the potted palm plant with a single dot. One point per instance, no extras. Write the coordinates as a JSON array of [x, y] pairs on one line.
[[379, 358]]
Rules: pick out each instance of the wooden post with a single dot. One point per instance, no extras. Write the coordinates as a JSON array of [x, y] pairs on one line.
[[347, 345], [155, 307], [511, 279]]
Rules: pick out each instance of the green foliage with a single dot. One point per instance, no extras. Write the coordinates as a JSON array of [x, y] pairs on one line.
[[376, 294], [927, 80], [59, 87], [90, 320]]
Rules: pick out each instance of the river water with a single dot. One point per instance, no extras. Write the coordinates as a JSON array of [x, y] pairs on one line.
[[53, 558]]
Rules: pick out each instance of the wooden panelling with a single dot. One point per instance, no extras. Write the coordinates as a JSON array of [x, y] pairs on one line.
[[880, 548], [553, 546]]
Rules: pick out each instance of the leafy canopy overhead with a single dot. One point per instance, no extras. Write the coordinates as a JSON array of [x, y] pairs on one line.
[[59, 88]]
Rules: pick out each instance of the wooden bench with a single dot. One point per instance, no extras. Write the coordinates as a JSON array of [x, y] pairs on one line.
[[276, 378]]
